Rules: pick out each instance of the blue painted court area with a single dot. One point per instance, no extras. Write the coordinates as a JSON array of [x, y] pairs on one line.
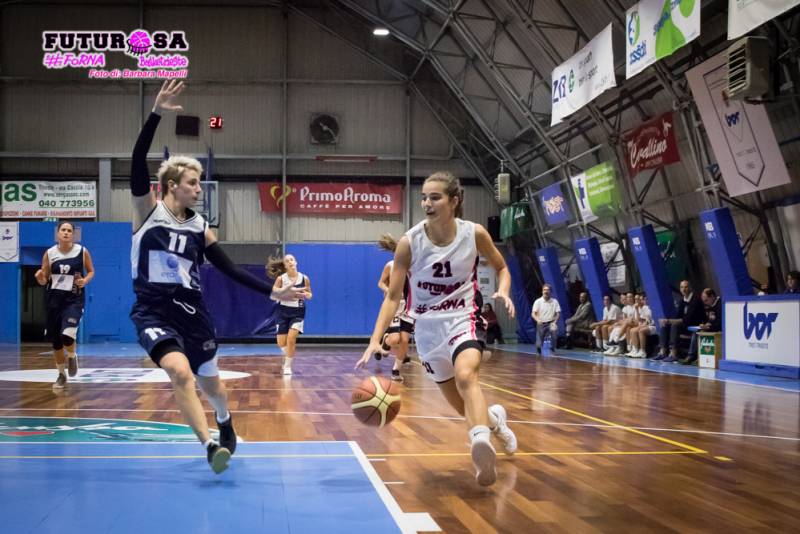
[[665, 368], [168, 487]]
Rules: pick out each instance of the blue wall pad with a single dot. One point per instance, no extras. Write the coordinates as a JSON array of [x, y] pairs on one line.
[[109, 296], [726, 254], [593, 268], [238, 311], [551, 272], [651, 268], [767, 369], [344, 280], [66, 488], [526, 328]]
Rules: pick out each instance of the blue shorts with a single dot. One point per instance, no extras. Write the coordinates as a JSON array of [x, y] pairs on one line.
[[288, 318], [63, 322], [183, 321]]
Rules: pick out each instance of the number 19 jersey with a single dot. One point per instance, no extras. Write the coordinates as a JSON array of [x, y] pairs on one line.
[[166, 254], [443, 281]]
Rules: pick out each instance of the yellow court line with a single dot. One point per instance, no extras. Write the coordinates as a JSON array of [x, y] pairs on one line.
[[377, 455], [597, 419]]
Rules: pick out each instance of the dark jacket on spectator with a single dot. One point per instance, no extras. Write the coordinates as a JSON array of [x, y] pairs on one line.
[[691, 312], [714, 316]]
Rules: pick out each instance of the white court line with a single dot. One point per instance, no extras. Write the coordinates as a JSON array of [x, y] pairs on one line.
[[434, 417], [382, 491]]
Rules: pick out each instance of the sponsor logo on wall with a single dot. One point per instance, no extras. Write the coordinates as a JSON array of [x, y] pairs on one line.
[[652, 145], [355, 198]]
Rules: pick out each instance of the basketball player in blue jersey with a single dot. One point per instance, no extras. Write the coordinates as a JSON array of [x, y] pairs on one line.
[[400, 329], [439, 257], [291, 312], [170, 241], [66, 269]]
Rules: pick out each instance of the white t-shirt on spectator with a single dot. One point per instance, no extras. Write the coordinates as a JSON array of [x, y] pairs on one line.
[[547, 309], [611, 313], [646, 315], [628, 312]]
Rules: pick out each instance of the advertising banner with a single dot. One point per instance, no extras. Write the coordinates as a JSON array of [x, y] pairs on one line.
[[655, 29], [596, 192], [746, 15], [9, 242], [332, 197], [741, 135], [36, 199], [652, 145], [583, 77], [763, 332], [554, 205]]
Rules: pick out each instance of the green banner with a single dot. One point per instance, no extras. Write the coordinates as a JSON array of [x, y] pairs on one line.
[[597, 193], [675, 255], [515, 219]]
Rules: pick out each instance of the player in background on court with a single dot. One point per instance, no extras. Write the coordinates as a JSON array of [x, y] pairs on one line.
[[402, 326], [439, 256], [170, 241], [66, 269], [291, 312]]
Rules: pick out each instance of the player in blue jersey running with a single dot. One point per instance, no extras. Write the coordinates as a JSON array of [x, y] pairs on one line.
[[170, 242]]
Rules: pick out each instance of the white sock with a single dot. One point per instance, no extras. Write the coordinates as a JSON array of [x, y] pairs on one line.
[[61, 367], [225, 418], [209, 442], [479, 432]]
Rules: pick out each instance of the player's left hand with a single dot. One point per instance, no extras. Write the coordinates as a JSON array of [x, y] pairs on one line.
[[506, 301]]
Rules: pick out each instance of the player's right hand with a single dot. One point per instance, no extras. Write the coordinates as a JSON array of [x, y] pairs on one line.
[[40, 277]]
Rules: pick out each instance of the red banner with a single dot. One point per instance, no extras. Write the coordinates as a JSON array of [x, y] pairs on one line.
[[353, 198], [651, 145]]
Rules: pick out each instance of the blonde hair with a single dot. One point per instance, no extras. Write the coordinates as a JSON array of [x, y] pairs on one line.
[[452, 187], [173, 169], [388, 243]]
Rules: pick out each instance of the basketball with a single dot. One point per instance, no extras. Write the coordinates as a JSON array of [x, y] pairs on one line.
[[376, 401]]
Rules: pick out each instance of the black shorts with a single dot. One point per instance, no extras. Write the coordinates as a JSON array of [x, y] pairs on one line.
[[185, 322], [290, 318], [63, 321], [400, 326]]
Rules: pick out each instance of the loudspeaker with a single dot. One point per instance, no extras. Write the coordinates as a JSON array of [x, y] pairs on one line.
[[748, 68], [493, 226], [187, 125]]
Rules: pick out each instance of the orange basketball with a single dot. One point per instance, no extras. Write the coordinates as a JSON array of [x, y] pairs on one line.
[[376, 401]]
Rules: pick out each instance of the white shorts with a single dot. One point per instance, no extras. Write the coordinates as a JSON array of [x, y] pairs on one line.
[[440, 341]]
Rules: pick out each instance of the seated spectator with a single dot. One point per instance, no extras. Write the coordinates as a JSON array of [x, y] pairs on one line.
[[546, 311], [713, 322], [493, 332], [645, 326], [611, 313], [690, 312], [582, 317], [616, 332], [793, 283]]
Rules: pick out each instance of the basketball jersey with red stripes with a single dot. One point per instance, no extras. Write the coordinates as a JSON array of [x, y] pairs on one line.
[[443, 281]]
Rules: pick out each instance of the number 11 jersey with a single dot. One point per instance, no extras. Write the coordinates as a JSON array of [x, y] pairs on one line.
[[166, 254]]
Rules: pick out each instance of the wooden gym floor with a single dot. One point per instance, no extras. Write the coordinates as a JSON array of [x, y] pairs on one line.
[[602, 448]]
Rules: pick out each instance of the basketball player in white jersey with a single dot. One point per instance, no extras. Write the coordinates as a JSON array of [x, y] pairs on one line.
[[291, 311], [400, 329], [440, 258]]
